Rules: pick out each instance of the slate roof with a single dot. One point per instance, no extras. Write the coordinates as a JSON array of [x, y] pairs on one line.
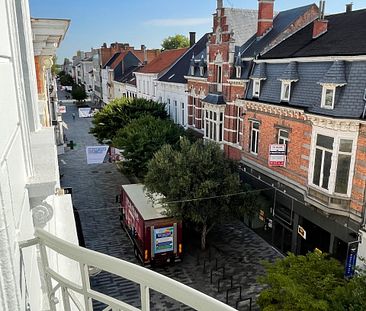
[[282, 21], [306, 93], [335, 74], [242, 22], [259, 72], [126, 76], [216, 99], [180, 69], [345, 36], [162, 62], [290, 74]]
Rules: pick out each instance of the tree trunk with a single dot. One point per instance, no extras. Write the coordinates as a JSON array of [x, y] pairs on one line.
[[203, 237]]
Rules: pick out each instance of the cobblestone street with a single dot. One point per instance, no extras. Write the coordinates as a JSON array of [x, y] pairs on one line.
[[95, 187]]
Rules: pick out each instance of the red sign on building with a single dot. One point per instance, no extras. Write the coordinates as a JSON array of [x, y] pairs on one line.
[[277, 155]]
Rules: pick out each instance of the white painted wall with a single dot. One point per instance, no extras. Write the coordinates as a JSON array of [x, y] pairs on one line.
[[104, 85], [119, 89], [145, 83], [28, 169], [176, 95]]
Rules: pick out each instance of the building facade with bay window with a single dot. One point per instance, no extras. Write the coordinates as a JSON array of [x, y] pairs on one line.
[[309, 94]]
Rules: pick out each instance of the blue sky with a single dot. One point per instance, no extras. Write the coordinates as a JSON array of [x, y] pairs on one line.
[[148, 22]]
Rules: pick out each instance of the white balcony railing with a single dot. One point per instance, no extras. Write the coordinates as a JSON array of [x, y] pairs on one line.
[[72, 293]]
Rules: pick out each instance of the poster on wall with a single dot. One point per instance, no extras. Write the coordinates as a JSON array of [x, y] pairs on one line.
[[61, 109], [85, 112], [277, 155], [96, 154], [163, 240]]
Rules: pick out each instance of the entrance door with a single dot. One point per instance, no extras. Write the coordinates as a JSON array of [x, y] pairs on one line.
[[282, 237], [316, 237]]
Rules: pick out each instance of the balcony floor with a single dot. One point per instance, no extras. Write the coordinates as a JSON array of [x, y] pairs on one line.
[[95, 187]]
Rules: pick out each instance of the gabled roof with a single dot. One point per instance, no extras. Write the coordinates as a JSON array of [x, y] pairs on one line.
[[111, 60], [162, 62], [335, 75], [281, 22], [346, 35], [180, 69]]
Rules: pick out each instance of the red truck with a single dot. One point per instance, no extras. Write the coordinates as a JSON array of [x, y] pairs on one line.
[[157, 239]]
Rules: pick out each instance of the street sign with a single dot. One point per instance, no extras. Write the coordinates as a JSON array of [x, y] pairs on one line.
[[351, 259], [301, 231], [61, 109], [277, 155]]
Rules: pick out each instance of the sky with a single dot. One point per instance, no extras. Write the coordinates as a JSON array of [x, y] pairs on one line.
[[147, 22]]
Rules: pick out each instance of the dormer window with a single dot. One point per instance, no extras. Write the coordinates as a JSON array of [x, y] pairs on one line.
[[328, 97], [285, 91], [256, 87], [238, 72]]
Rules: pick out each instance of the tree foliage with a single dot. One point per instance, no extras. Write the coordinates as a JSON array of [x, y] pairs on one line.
[[141, 138], [175, 42], [301, 283], [78, 92], [66, 80], [120, 112], [193, 171]]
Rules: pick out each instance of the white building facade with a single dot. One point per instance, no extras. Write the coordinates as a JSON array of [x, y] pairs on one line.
[[30, 194]]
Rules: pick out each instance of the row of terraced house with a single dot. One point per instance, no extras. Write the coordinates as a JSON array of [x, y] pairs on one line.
[[260, 79]]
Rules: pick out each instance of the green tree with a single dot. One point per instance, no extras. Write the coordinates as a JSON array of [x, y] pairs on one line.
[[199, 177], [141, 138], [351, 297], [301, 283], [175, 42], [66, 80], [78, 92], [120, 112], [55, 69]]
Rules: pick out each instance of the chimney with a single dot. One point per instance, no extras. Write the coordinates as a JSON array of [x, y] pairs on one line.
[[320, 25], [265, 16], [192, 38], [220, 4], [349, 7], [143, 48]]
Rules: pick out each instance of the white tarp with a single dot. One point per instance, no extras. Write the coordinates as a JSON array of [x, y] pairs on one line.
[[85, 112], [96, 154]]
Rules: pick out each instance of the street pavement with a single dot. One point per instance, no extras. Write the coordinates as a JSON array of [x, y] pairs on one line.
[[95, 187]]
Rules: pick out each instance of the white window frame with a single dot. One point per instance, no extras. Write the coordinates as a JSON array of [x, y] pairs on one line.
[[192, 70], [283, 89], [324, 92], [194, 111], [238, 72], [256, 88], [239, 124], [213, 128], [337, 136], [168, 103], [182, 113], [175, 111], [282, 140], [257, 131], [201, 71]]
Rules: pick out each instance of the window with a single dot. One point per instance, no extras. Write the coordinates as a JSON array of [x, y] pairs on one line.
[[238, 72], [218, 74], [168, 104], [254, 137], [332, 163], [175, 112], [192, 70], [239, 125], [283, 138], [256, 87], [285, 91], [194, 111], [182, 113], [214, 125], [201, 71], [328, 97]]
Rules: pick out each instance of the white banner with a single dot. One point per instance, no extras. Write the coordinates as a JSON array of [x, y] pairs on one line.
[[85, 112], [96, 154]]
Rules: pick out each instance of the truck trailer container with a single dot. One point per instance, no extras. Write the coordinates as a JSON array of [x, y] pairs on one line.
[[157, 239]]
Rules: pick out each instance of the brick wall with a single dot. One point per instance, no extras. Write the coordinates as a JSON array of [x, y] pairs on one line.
[[299, 142]]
